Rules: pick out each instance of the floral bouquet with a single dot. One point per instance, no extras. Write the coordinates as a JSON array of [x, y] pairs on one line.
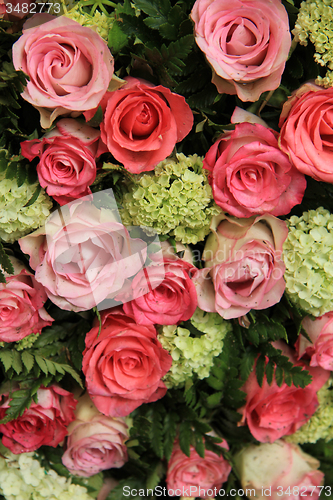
[[166, 249]]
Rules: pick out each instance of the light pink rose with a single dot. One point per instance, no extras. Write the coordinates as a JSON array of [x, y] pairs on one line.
[[21, 305], [272, 411], [250, 174], [172, 301], [273, 470], [195, 476], [142, 124], [43, 423], [307, 130], [123, 364], [246, 42], [83, 255], [95, 442], [243, 265], [320, 331], [69, 66], [67, 154]]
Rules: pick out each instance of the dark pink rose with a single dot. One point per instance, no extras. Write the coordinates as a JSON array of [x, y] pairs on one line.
[[142, 124], [43, 423], [272, 411], [246, 42], [21, 305], [195, 476], [243, 265], [123, 364], [69, 65], [320, 331], [250, 174], [172, 301], [307, 130], [67, 156], [95, 442]]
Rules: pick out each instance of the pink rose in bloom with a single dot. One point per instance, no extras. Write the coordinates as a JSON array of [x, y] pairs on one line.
[[172, 301], [83, 255], [243, 265], [307, 129], [194, 476], [142, 124], [246, 42], [69, 66], [320, 332], [272, 411], [95, 442], [67, 159], [44, 423], [270, 469], [21, 305], [250, 175], [124, 364]]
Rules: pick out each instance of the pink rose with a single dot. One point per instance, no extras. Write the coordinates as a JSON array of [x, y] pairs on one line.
[[246, 42], [272, 411], [123, 364], [172, 301], [142, 124], [270, 471], [250, 175], [69, 66], [194, 476], [21, 305], [67, 156], [320, 332], [95, 442], [307, 129], [43, 423], [83, 255], [243, 265]]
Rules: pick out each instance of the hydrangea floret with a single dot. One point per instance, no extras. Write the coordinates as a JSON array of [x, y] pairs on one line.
[[315, 23], [23, 478], [27, 342], [308, 257], [320, 425], [176, 199], [193, 355], [17, 219]]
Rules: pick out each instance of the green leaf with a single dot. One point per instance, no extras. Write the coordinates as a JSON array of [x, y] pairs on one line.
[[16, 364], [72, 373], [28, 360], [157, 434], [158, 9], [185, 435], [260, 369], [41, 363], [199, 444], [270, 371], [279, 375], [11, 170], [170, 431], [34, 196], [97, 119], [117, 40], [6, 358], [21, 175], [214, 400], [247, 364]]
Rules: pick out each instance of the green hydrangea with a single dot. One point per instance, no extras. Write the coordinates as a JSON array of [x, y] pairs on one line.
[[23, 478], [320, 425], [27, 341], [176, 199], [17, 220], [98, 21], [193, 355], [308, 256], [315, 22]]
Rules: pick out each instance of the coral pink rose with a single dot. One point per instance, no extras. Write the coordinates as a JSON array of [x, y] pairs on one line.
[[195, 476], [67, 156], [246, 42], [307, 129], [172, 301], [142, 124], [21, 305], [250, 175], [95, 442], [270, 470], [43, 423], [320, 332], [83, 255], [123, 364], [69, 66], [272, 411], [243, 265]]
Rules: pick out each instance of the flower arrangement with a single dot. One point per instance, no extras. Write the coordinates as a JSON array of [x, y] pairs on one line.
[[166, 249]]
